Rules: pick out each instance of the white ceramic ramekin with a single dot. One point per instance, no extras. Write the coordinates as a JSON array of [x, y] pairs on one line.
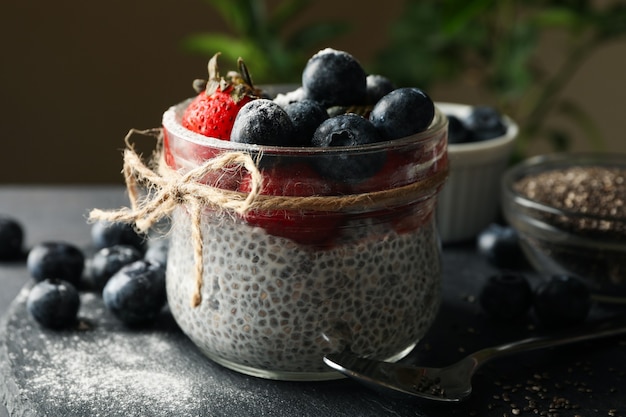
[[470, 200]]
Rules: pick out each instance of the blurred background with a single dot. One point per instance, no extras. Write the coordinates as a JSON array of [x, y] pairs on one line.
[[76, 76]]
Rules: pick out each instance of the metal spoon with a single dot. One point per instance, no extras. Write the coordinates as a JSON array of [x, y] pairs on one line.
[[454, 382]]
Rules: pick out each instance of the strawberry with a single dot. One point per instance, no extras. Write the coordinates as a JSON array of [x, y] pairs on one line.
[[301, 226], [212, 112]]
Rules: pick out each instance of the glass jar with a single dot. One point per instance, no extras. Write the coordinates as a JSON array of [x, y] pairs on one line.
[[350, 260]]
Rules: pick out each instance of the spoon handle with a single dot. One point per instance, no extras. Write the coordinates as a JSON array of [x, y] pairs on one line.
[[595, 331]]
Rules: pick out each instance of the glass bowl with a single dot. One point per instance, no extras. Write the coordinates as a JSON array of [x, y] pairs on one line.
[[284, 285], [570, 212], [470, 200]]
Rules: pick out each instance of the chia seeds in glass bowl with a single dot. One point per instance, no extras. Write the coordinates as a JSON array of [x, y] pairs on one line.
[[363, 275], [570, 212]]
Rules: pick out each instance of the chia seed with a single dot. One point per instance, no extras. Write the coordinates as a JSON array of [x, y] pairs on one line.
[[592, 204]]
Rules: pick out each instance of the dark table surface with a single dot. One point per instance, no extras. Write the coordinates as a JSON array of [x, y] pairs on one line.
[[128, 375]]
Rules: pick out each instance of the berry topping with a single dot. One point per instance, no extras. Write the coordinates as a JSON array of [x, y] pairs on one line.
[[53, 303], [348, 130], [107, 261], [11, 239], [301, 226], [213, 111], [105, 234], [306, 116], [263, 122], [485, 123], [506, 296], [56, 260], [501, 247], [378, 86], [403, 112], [136, 293], [334, 78], [562, 301]]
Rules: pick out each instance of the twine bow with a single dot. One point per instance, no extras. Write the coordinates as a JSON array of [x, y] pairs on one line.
[[168, 189]]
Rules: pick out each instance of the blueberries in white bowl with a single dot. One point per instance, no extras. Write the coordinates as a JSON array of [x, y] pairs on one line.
[[482, 123]]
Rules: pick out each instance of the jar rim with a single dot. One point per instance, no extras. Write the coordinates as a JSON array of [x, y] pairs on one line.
[[172, 117]]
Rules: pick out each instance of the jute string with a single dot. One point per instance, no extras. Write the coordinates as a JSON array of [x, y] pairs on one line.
[[167, 189]]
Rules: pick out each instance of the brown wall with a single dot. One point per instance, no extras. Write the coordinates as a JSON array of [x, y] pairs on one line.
[[75, 76]]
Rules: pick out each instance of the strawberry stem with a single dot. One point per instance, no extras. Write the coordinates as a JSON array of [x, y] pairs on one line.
[[243, 70]]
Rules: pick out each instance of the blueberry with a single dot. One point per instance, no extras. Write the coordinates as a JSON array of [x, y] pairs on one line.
[[348, 130], [53, 303], [11, 239], [506, 296], [485, 122], [107, 261], [105, 234], [377, 87], [457, 131], [157, 252], [562, 301], [58, 260], [263, 122], [306, 116], [501, 247], [403, 112], [334, 78], [136, 293]]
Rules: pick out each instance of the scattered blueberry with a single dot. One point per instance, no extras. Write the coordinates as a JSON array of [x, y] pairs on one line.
[[348, 130], [157, 251], [57, 260], [561, 301], [403, 112], [457, 131], [53, 303], [500, 245], [506, 296], [105, 234], [306, 116], [11, 239], [485, 122], [136, 293], [377, 87], [334, 78], [263, 122], [107, 261]]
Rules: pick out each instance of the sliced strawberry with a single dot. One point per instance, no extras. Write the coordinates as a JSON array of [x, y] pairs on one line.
[[302, 226]]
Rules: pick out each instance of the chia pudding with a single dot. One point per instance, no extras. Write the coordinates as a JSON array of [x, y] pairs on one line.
[[275, 300], [274, 307]]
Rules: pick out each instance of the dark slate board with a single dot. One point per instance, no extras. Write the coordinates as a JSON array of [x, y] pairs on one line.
[[106, 369]]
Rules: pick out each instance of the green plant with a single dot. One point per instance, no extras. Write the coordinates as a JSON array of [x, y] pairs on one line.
[[495, 44], [264, 39]]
